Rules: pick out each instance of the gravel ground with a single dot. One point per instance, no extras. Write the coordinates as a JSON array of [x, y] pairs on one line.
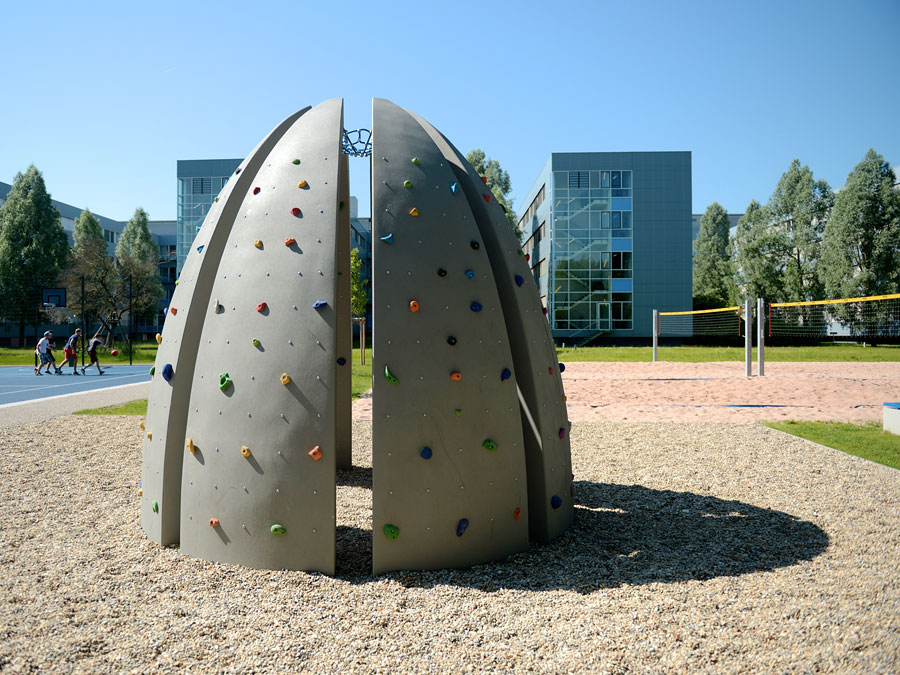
[[696, 547]]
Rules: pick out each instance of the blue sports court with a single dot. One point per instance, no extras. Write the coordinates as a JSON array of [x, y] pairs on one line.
[[19, 383]]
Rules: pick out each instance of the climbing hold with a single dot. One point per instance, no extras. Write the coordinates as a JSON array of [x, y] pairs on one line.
[[562, 433], [564, 398], [295, 211], [550, 370], [475, 307], [484, 179], [200, 248], [320, 304], [258, 243], [388, 238], [426, 452], [489, 444], [174, 310], [475, 245], [256, 190], [451, 341], [289, 241], [519, 279], [262, 307], [527, 256], [413, 306], [388, 376], [521, 253], [216, 199], [296, 161], [562, 367], [341, 361], [302, 184], [456, 376], [442, 272], [224, 381], [487, 198], [462, 526], [414, 211], [470, 274], [152, 370], [256, 342], [140, 492], [517, 513], [167, 372], [190, 445], [458, 412], [340, 206], [407, 183], [155, 506], [158, 339], [391, 531], [414, 160], [245, 451], [505, 375], [545, 311], [142, 426], [285, 379], [454, 187], [277, 529], [315, 453], [213, 522], [149, 435], [556, 501]]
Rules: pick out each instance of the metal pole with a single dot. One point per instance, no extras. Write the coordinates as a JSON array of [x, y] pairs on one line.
[[37, 318], [655, 335], [83, 329], [362, 341], [760, 336], [748, 340], [130, 322]]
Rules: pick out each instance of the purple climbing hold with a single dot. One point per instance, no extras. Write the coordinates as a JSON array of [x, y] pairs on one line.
[[555, 501], [320, 304], [342, 361], [167, 372], [562, 432], [562, 367], [426, 452], [519, 280], [506, 374], [476, 307], [462, 526]]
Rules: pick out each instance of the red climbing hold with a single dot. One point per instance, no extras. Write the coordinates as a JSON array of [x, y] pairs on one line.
[[261, 307], [517, 513], [487, 198], [527, 256], [290, 241], [484, 179], [551, 370], [174, 310], [256, 190], [413, 306], [213, 522], [295, 211]]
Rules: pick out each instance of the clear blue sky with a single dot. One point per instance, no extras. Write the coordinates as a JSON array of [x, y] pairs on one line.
[[104, 97]]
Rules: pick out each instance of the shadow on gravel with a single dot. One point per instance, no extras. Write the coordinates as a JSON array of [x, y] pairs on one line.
[[625, 534]]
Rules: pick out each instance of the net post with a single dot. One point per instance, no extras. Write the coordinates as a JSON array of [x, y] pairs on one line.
[[655, 335], [748, 340], [760, 336]]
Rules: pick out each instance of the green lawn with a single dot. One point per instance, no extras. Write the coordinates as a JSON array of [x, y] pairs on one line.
[[138, 407], [144, 353], [869, 441], [701, 354]]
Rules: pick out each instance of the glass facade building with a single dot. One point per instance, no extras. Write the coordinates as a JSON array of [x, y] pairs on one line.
[[608, 237]]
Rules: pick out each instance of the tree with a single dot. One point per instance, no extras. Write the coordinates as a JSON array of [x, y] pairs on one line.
[[33, 247], [713, 276], [498, 182], [358, 297], [89, 259], [137, 259], [755, 252], [797, 209], [861, 244]]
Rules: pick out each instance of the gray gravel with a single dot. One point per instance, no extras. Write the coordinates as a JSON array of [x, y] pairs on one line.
[[696, 547]]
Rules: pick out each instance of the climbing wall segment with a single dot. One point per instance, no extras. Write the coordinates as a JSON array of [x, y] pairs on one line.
[[449, 486], [343, 440], [550, 491], [170, 388]]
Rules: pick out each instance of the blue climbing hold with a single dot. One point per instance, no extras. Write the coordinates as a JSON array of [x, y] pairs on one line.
[[506, 374], [470, 274], [476, 307], [319, 304], [461, 528], [562, 367], [200, 248], [555, 501], [426, 452], [388, 238], [167, 372], [519, 280], [342, 361], [454, 187]]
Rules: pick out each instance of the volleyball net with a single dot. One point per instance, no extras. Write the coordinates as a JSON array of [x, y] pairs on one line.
[[724, 321], [874, 316]]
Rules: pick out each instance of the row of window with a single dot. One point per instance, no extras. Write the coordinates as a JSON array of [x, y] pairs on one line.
[[534, 239], [532, 209], [574, 180], [593, 220], [576, 204]]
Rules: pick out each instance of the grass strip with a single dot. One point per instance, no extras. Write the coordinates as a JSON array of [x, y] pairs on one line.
[[138, 407], [869, 441]]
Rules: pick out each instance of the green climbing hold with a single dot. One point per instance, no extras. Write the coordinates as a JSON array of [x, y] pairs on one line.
[[387, 375], [256, 342], [155, 506], [415, 160], [277, 529], [216, 199], [224, 381], [391, 531], [152, 370], [458, 412], [296, 161], [489, 444], [407, 183], [340, 206]]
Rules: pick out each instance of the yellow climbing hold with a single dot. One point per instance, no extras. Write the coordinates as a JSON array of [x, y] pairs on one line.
[[258, 243], [158, 339], [414, 211], [150, 435], [285, 379], [245, 451], [302, 184], [140, 492], [143, 426], [190, 445]]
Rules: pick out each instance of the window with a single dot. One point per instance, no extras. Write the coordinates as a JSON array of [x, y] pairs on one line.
[[532, 209], [578, 179], [202, 186]]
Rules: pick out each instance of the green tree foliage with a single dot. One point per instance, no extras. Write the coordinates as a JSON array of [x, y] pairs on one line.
[[755, 251], [136, 241], [497, 180], [137, 258], [358, 297], [713, 274], [797, 210], [33, 247], [861, 243], [89, 258]]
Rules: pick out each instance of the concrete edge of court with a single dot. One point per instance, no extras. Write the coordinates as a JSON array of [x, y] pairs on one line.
[[25, 412]]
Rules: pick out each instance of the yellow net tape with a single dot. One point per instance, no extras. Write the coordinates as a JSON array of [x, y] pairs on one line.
[[827, 302], [704, 311]]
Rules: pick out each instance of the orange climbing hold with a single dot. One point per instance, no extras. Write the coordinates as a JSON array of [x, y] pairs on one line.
[[174, 310], [456, 376], [285, 379], [414, 211], [289, 241], [413, 306], [302, 184], [316, 453], [190, 445], [517, 513], [257, 243], [484, 179], [213, 522]]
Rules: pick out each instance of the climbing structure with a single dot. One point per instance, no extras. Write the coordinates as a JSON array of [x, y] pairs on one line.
[[250, 399]]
